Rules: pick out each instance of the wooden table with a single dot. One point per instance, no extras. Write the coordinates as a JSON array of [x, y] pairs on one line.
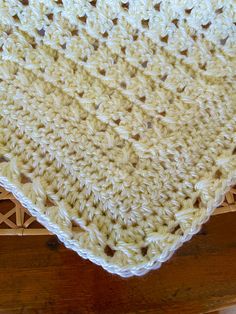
[[39, 275]]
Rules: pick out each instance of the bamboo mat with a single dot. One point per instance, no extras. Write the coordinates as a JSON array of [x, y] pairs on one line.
[[16, 220]]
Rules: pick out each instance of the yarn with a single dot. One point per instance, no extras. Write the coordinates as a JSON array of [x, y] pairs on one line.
[[117, 121]]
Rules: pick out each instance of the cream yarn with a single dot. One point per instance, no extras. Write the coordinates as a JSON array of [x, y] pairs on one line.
[[117, 125]]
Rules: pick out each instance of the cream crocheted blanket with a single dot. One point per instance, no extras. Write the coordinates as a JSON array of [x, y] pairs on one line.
[[118, 121]]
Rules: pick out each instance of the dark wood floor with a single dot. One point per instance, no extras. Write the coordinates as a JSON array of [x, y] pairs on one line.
[[38, 275]]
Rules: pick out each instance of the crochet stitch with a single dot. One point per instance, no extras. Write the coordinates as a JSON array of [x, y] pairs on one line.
[[117, 121]]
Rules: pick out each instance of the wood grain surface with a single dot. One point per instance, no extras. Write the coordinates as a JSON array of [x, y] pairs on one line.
[[39, 275]]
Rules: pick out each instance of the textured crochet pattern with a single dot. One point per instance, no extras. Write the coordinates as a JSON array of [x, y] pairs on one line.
[[118, 118]]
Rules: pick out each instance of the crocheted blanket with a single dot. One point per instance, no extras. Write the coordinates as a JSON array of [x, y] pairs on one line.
[[118, 121]]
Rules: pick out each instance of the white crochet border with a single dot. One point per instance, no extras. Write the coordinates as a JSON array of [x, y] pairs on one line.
[[127, 271]]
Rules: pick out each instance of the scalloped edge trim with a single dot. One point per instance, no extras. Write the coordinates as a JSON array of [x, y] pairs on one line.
[[140, 269]]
